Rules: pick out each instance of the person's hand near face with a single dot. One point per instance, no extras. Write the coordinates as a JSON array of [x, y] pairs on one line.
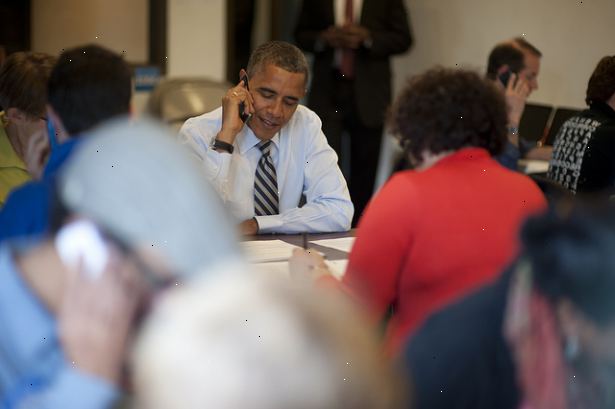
[[231, 119], [96, 318], [516, 93]]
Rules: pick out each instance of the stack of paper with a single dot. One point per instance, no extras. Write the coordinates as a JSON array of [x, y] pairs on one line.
[[342, 244], [263, 251]]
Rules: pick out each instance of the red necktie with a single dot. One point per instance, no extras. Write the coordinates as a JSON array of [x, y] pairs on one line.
[[347, 63]]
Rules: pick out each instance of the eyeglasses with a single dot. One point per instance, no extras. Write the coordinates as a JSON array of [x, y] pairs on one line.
[[154, 279]]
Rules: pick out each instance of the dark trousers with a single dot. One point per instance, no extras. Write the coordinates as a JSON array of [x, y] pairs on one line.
[[364, 141]]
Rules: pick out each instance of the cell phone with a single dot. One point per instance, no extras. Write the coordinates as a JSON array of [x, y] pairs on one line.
[[504, 77], [245, 117], [81, 245]]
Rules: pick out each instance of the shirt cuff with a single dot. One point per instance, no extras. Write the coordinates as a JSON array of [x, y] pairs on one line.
[[75, 389], [268, 224]]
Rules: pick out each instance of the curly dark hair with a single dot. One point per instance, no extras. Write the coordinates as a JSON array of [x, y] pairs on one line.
[[601, 85], [447, 109]]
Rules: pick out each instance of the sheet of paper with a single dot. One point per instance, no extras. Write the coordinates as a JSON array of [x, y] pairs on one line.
[[274, 268], [337, 268], [280, 268], [530, 166], [342, 244], [262, 251]]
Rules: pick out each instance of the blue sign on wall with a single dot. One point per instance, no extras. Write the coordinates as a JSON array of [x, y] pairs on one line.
[[146, 78]]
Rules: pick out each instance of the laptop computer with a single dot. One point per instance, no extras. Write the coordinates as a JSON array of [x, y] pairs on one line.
[[534, 121]]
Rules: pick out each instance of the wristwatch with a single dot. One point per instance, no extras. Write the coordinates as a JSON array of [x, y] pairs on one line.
[[224, 146], [513, 130]]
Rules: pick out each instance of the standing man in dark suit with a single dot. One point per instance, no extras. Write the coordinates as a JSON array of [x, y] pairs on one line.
[[352, 41]]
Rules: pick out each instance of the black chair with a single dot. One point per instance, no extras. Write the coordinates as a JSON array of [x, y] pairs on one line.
[[552, 190]]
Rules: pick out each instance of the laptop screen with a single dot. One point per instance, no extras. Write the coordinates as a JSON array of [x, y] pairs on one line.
[[534, 121]]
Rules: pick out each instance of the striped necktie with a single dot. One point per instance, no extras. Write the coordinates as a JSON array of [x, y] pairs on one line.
[[265, 183]]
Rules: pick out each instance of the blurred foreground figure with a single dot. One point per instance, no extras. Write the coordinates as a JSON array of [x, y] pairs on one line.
[[241, 342], [542, 337], [124, 227]]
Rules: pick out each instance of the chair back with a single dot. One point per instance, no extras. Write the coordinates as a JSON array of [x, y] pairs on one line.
[[177, 99]]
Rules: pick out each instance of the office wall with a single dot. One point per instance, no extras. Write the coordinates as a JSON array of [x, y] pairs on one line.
[[196, 38], [572, 35], [117, 24]]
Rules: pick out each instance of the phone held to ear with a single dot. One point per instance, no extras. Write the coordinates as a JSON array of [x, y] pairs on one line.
[[81, 246], [245, 117], [504, 77]]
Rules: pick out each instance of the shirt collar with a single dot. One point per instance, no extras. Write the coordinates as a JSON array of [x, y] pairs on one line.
[[8, 156], [59, 155], [465, 154], [604, 108], [246, 140]]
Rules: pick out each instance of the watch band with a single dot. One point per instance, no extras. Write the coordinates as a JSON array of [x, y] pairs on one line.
[[218, 144]]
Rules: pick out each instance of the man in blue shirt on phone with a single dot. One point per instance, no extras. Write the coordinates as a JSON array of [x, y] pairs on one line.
[[69, 304], [514, 66]]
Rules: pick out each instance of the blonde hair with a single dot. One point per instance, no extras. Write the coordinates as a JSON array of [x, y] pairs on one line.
[[251, 343]]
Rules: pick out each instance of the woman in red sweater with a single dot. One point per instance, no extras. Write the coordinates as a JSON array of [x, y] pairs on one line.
[[434, 233]]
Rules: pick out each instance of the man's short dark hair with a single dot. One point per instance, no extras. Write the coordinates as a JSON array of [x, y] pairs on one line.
[[281, 54], [23, 82], [510, 53], [527, 46], [445, 109], [601, 85], [89, 85]]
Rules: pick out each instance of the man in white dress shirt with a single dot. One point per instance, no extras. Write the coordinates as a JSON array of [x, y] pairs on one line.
[[262, 170]]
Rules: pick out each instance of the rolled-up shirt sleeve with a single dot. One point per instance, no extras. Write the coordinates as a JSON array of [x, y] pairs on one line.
[[216, 164]]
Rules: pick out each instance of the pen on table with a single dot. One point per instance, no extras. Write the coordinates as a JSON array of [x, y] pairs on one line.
[[305, 240]]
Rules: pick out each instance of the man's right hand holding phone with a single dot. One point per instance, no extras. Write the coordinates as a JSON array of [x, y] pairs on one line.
[[235, 99], [516, 93]]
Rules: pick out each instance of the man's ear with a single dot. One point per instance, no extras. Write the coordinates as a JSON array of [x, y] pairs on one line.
[[503, 69], [58, 125], [572, 323], [242, 73], [611, 101], [15, 114]]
